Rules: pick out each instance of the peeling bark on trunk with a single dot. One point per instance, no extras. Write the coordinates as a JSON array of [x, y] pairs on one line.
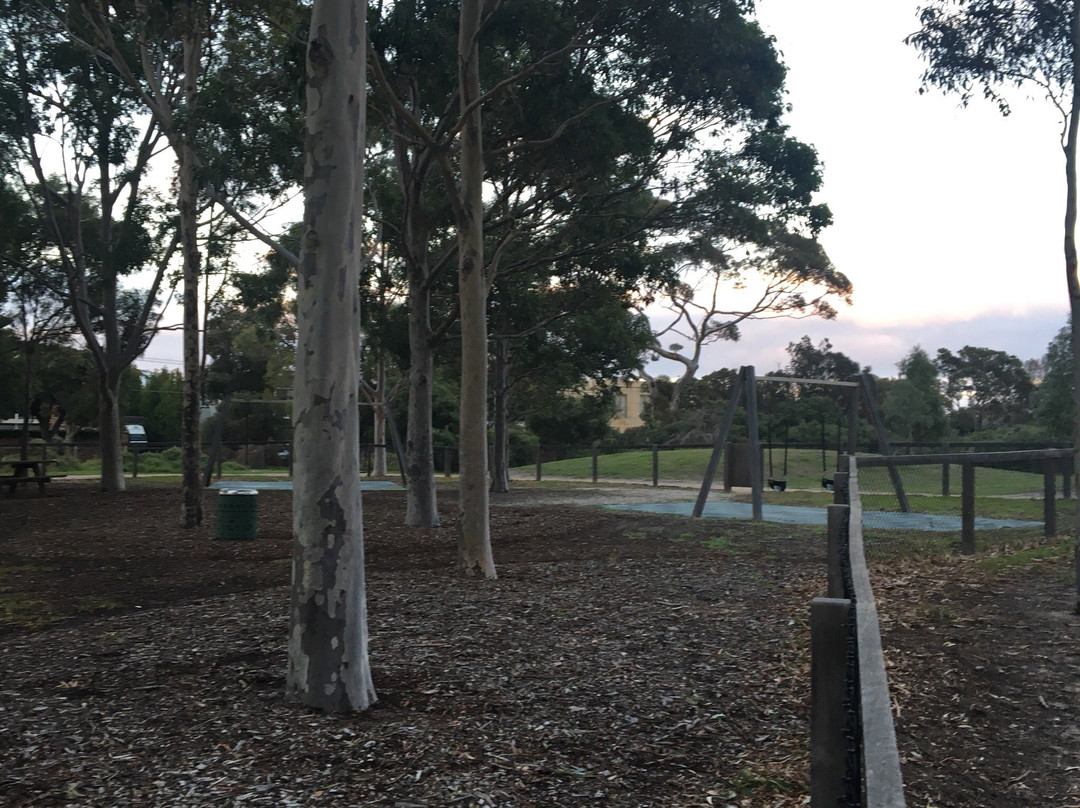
[[190, 442], [328, 659], [500, 465], [421, 506], [474, 534]]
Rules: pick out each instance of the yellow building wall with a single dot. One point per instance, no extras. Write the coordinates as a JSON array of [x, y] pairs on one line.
[[630, 405]]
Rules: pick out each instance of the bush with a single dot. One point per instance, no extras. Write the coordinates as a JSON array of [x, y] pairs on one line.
[[67, 463], [155, 463]]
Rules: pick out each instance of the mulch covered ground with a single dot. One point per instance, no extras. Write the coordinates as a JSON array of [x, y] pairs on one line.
[[621, 659]]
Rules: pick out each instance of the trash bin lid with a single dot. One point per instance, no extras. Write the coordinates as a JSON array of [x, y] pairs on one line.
[[231, 491]]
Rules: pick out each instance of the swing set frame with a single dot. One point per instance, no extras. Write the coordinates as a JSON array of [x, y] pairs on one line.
[[744, 391]]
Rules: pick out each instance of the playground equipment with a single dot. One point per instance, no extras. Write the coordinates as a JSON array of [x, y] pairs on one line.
[[744, 391], [778, 484], [827, 482]]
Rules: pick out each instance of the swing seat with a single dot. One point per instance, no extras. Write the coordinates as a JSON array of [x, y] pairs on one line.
[[777, 485], [827, 484]]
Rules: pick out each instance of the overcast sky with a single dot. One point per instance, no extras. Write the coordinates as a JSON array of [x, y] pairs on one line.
[[947, 220]]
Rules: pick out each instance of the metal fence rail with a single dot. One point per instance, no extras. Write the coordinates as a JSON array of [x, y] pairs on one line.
[[854, 760]]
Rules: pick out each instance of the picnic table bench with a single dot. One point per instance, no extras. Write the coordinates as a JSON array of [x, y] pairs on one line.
[[24, 472]]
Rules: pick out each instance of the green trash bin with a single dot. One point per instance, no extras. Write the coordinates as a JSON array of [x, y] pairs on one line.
[[237, 513]]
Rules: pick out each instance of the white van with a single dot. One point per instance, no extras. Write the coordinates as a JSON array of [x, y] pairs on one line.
[[136, 434]]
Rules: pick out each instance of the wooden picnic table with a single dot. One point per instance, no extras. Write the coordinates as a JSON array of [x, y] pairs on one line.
[[24, 472]]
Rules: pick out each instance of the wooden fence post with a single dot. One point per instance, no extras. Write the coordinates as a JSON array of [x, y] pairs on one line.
[[829, 620], [756, 472], [1049, 503], [595, 462], [655, 465], [539, 461], [840, 484], [967, 508], [944, 479], [838, 516]]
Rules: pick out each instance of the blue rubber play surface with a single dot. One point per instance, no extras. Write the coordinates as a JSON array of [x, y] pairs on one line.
[[286, 485], [802, 515]]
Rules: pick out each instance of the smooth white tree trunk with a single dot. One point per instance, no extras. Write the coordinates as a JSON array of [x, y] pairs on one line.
[[328, 658]]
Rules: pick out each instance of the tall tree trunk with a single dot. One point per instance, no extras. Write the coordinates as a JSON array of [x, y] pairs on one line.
[[421, 506], [1070, 145], [109, 434], [500, 465], [190, 442], [24, 439], [378, 408], [474, 533], [328, 639]]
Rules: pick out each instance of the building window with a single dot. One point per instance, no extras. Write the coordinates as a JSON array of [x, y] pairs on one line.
[[620, 406]]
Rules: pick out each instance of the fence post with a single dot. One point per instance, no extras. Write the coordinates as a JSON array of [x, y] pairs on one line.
[[595, 462], [967, 508], [1049, 503], [539, 462], [655, 465], [944, 479], [838, 516], [829, 621], [840, 484]]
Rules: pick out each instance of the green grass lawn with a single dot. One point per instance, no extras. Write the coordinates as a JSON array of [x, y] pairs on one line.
[[804, 471]]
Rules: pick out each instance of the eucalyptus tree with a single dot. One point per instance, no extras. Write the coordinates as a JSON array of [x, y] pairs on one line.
[[328, 655], [33, 301], [1054, 405], [564, 332], [39, 315], [552, 342], [71, 137], [791, 278], [193, 67], [587, 105], [989, 388], [914, 406]]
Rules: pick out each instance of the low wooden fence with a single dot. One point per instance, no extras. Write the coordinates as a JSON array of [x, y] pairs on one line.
[[1047, 464], [854, 760]]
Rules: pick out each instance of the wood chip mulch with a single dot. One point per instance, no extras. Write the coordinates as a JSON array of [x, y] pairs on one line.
[[620, 659]]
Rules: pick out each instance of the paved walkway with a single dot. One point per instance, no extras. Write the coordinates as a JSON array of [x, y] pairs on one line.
[[286, 485], [802, 515]]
